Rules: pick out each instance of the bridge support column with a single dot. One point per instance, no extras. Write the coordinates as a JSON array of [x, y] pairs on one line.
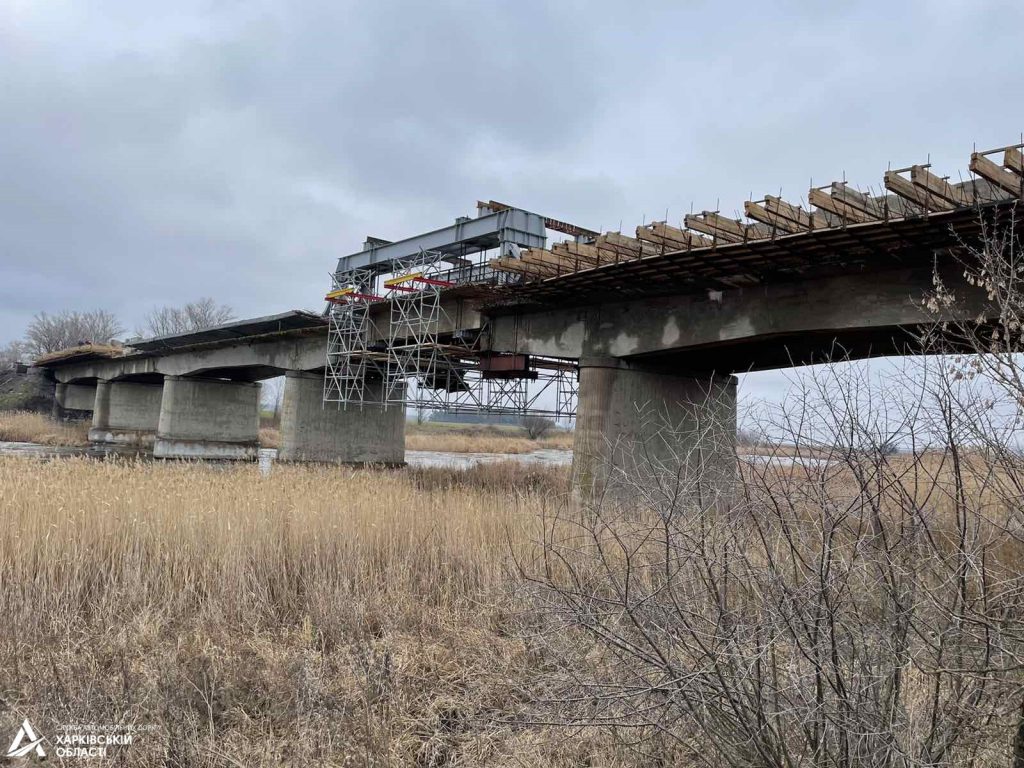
[[638, 427], [125, 413], [314, 431], [208, 419]]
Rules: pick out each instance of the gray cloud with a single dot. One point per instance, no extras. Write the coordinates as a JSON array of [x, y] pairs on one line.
[[152, 154]]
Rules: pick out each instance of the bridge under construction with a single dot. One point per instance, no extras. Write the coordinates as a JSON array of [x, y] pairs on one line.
[[517, 313]]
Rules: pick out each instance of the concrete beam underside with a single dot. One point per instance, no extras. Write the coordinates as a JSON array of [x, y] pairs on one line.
[[748, 319], [317, 432], [125, 413], [208, 419], [76, 397], [649, 436]]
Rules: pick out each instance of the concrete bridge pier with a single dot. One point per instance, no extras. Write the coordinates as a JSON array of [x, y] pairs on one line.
[[314, 431], [208, 419], [125, 413], [646, 433], [74, 401]]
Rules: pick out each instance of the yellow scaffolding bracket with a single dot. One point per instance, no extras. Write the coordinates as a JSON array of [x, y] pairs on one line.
[[392, 282], [339, 293]]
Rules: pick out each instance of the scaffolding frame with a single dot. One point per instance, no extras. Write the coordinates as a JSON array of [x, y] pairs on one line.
[[415, 354], [425, 359], [351, 364]]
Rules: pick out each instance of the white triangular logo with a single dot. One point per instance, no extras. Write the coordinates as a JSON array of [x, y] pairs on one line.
[[33, 742]]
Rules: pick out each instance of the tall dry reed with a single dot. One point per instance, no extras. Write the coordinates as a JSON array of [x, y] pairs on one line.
[[320, 616], [30, 427]]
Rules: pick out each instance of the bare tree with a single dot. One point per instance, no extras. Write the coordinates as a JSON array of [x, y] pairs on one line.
[[49, 333], [13, 352], [272, 394], [988, 343], [536, 427], [194, 316]]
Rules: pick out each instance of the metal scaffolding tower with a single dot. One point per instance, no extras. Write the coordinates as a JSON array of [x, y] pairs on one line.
[[350, 361], [417, 361], [424, 358]]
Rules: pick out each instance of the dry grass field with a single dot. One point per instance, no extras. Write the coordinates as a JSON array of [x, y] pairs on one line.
[[333, 616], [21, 426], [316, 617], [28, 427]]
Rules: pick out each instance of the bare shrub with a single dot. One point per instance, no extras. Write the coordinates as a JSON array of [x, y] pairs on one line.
[[848, 606], [537, 427]]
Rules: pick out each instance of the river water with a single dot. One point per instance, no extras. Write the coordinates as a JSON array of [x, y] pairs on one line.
[[547, 456]]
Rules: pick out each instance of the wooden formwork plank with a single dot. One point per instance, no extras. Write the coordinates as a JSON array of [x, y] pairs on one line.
[[662, 234], [996, 174], [716, 226], [518, 266], [843, 193], [826, 202], [545, 260], [632, 244], [541, 256], [793, 213], [761, 213], [937, 187], [587, 254], [902, 187], [619, 247], [1014, 160]]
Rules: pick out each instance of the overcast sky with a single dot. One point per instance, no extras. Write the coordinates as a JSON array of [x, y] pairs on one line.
[[152, 153]]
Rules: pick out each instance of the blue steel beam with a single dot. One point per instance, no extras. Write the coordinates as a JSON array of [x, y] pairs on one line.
[[499, 229]]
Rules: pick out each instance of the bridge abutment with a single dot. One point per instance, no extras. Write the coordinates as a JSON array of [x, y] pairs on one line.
[[642, 430], [207, 419], [125, 413], [314, 431]]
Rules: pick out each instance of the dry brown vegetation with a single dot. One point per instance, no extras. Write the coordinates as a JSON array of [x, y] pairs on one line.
[[481, 439], [316, 617], [29, 427], [22, 426], [270, 437]]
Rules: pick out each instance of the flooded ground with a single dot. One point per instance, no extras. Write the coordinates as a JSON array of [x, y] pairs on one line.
[[548, 456]]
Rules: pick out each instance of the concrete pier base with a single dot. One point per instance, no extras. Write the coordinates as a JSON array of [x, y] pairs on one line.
[[125, 413], [314, 431], [208, 419], [643, 434]]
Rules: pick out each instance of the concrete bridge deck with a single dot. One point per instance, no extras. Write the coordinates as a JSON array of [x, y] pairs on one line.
[[661, 326]]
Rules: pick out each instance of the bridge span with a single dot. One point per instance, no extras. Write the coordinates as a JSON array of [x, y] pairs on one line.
[[664, 319]]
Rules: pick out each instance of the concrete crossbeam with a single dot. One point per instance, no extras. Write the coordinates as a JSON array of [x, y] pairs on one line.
[[314, 431], [125, 413], [208, 419], [644, 434]]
